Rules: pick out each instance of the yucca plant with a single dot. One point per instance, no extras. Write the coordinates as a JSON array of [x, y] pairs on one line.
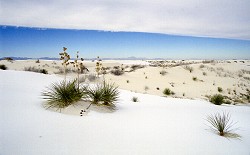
[[103, 94], [62, 94], [222, 124], [110, 93], [95, 94]]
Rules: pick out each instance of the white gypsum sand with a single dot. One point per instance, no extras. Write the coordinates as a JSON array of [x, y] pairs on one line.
[[154, 125]]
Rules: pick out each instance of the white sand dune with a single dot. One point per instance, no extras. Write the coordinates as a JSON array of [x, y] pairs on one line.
[[154, 125]]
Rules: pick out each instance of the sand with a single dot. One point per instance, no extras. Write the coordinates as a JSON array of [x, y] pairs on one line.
[[233, 76], [154, 125]]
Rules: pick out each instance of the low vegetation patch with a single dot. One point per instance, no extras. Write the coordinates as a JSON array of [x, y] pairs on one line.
[[168, 92], [37, 70], [135, 99], [117, 72], [222, 124], [189, 68], [219, 89], [217, 99], [3, 67], [163, 72]]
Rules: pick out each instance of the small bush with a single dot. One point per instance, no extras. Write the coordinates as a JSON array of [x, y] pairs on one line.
[[220, 89], [135, 99], [91, 77], [222, 124], [3, 67], [62, 94], [163, 72], [127, 81], [189, 68], [37, 61], [194, 78], [204, 73], [37, 70], [135, 67], [146, 88], [202, 66], [168, 92], [117, 72], [217, 99]]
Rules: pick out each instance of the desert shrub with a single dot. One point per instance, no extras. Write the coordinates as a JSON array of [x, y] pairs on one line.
[[105, 93], [189, 68], [222, 124], [163, 72], [37, 70], [91, 77], [146, 88], [194, 78], [62, 94], [217, 99], [202, 66], [117, 72], [219, 89], [135, 99], [204, 73], [135, 67], [127, 81], [168, 92], [3, 67], [37, 61]]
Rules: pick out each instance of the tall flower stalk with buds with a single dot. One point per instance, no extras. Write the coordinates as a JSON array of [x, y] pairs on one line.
[[78, 65], [98, 66], [65, 57]]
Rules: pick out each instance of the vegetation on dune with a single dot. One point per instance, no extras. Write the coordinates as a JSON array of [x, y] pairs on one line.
[[135, 99], [168, 92], [37, 70], [217, 99], [3, 67]]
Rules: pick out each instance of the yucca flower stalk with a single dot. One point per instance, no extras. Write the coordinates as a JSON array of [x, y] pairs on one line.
[[65, 57]]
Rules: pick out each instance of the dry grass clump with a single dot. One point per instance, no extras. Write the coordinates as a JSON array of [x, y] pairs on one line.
[[135, 67], [163, 72], [117, 72], [189, 68], [219, 89], [37, 70]]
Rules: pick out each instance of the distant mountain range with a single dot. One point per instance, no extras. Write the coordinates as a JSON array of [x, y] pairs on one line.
[[48, 58]]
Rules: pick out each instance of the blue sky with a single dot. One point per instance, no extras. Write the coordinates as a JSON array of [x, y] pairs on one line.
[[37, 42]]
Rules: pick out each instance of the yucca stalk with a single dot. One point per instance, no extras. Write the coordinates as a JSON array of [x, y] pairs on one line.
[[65, 57], [222, 124]]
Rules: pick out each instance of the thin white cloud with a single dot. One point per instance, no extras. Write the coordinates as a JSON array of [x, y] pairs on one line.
[[212, 18]]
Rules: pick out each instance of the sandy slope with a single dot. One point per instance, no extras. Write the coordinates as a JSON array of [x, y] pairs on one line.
[[232, 76], [155, 125]]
